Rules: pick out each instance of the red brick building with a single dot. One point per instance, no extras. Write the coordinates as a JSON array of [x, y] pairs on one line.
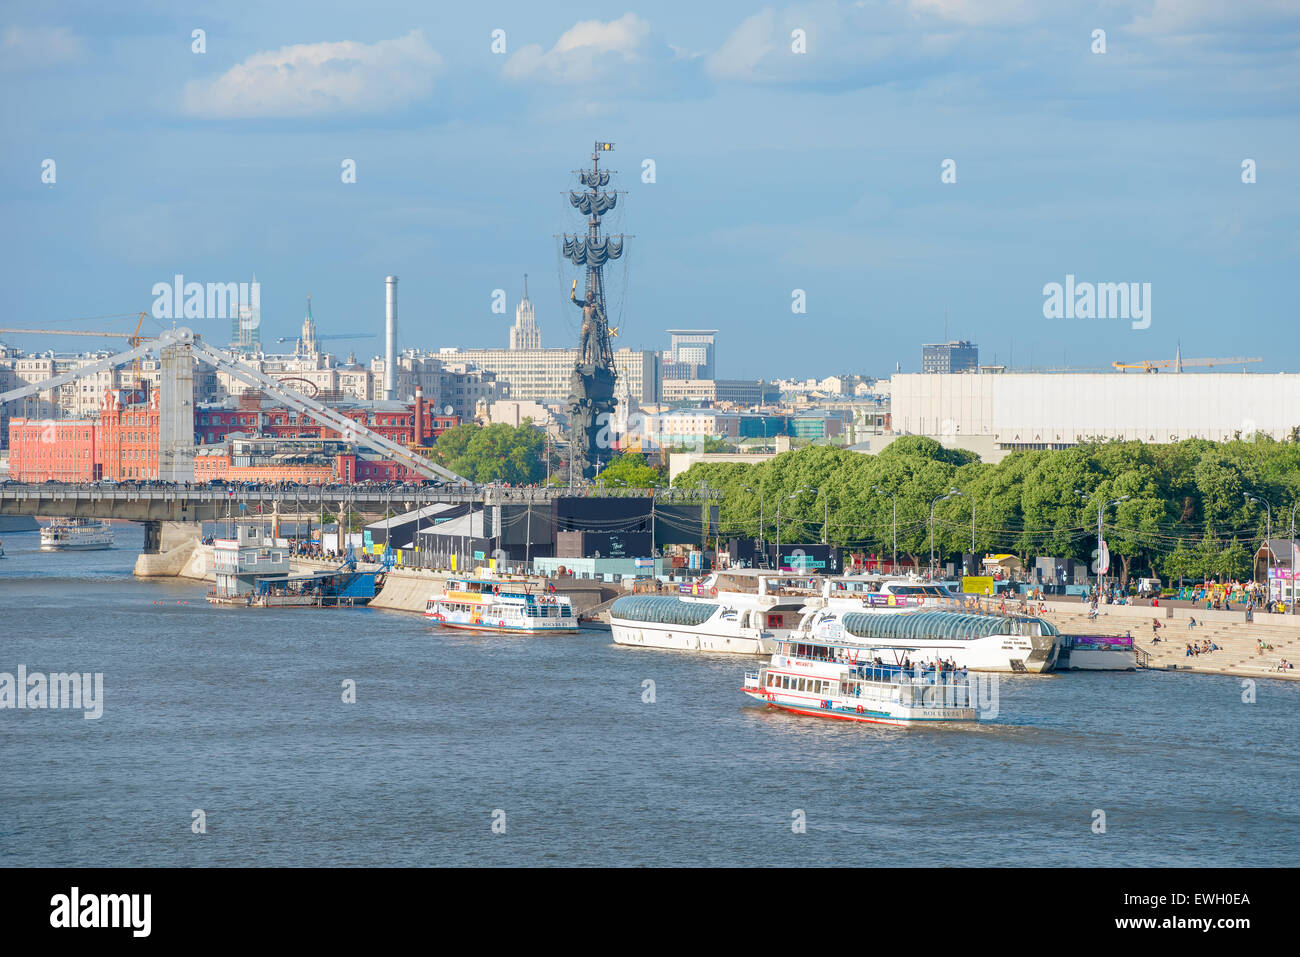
[[122, 444], [212, 424], [128, 435], [59, 449]]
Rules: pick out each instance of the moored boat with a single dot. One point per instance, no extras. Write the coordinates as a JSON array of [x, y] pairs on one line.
[[826, 679], [739, 611], [977, 640], [501, 604], [76, 534]]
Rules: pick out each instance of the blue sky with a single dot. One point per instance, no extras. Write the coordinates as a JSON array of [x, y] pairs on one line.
[[775, 171]]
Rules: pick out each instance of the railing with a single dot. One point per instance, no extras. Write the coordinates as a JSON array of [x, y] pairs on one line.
[[1143, 658]]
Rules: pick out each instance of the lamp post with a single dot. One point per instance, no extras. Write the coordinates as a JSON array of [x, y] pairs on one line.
[[1291, 562], [1101, 542], [760, 508], [761, 529], [1268, 548], [942, 498], [893, 567]]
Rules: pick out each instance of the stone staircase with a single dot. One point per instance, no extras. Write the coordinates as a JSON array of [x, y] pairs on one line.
[[1238, 641]]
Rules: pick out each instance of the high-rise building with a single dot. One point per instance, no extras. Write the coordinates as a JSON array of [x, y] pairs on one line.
[[524, 334], [307, 341], [246, 330], [953, 356], [691, 352]]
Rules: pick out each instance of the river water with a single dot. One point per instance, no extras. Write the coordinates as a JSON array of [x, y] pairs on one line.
[[239, 713]]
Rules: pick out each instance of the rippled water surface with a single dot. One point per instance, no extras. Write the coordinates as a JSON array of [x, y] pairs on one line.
[[238, 712]]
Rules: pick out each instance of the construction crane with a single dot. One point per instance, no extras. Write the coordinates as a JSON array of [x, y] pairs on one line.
[[133, 337], [345, 336], [1178, 364]]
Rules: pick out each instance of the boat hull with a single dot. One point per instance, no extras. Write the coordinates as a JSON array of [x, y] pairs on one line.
[[643, 634], [845, 710], [503, 629]]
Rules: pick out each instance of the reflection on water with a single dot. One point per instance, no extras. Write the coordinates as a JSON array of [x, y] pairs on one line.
[[239, 712]]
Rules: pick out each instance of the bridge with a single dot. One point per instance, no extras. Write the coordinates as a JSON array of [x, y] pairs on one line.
[[154, 503], [178, 349]]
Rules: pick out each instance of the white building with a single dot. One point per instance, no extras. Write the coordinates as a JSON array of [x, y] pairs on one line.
[[524, 334], [1041, 410]]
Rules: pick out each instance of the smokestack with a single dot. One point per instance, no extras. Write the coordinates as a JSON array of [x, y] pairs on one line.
[[390, 339], [419, 416]]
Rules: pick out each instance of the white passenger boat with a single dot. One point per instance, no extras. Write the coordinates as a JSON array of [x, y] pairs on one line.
[[976, 640], [886, 593], [502, 605], [738, 611], [1097, 653], [827, 679], [76, 534]]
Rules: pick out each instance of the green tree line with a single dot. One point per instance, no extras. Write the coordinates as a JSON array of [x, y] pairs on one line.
[[1184, 514]]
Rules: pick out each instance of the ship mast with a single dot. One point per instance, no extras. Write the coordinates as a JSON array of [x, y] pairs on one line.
[[591, 393]]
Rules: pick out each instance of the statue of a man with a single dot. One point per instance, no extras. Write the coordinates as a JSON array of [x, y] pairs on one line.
[[588, 347]]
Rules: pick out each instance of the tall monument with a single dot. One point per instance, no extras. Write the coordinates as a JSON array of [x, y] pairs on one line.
[[591, 387]]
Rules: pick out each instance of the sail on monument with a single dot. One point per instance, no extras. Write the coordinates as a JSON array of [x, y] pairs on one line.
[[591, 386]]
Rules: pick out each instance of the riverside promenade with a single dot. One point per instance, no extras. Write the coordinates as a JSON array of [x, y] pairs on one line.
[[1238, 639]]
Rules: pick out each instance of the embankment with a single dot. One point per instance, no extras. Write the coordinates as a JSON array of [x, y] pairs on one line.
[[408, 589], [1238, 640]]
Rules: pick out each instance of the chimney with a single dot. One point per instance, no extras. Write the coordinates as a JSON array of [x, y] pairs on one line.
[[419, 416], [390, 339]]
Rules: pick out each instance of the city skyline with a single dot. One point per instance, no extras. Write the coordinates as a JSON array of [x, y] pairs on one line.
[[775, 172]]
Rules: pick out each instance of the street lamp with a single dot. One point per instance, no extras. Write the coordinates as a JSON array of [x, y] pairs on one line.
[[893, 498], [942, 498], [760, 508], [1101, 543], [1268, 548], [1291, 561]]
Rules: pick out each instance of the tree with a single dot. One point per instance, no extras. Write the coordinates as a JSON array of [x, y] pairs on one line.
[[497, 453], [630, 470]]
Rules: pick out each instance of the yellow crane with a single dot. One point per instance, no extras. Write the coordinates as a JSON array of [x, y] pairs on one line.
[[133, 337], [1155, 365]]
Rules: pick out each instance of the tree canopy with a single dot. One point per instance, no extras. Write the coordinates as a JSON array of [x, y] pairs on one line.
[[1184, 510], [495, 453]]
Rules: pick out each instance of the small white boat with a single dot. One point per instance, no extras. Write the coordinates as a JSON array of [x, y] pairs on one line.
[[823, 679], [503, 605], [76, 534]]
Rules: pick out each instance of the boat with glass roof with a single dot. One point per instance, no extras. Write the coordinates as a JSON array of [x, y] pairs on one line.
[[973, 639], [503, 605], [733, 611], [832, 679]]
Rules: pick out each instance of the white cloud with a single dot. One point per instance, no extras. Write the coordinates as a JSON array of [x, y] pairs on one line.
[[33, 47], [1182, 17], [751, 43], [590, 50], [313, 79], [844, 47], [977, 12]]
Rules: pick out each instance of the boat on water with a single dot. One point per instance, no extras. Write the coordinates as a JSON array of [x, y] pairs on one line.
[[1097, 653], [736, 611], [969, 638], [829, 679], [886, 593], [76, 534], [502, 605]]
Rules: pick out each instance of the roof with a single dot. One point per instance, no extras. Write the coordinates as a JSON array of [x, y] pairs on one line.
[[938, 624]]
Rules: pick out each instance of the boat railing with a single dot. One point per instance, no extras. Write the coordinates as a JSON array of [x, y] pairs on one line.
[[892, 674]]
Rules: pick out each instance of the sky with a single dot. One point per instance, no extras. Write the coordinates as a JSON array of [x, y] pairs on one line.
[[919, 159]]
